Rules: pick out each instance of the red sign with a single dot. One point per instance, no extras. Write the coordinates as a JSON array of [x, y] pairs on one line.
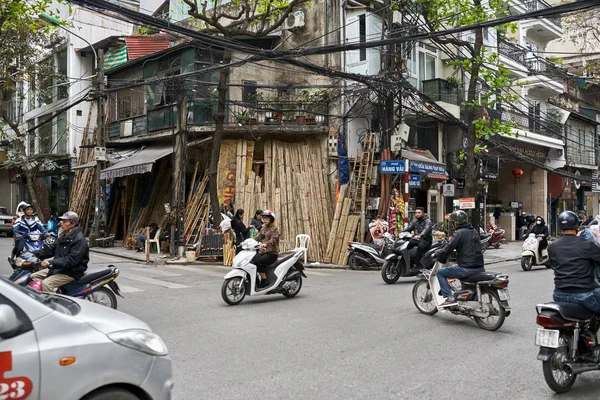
[[12, 388], [466, 203]]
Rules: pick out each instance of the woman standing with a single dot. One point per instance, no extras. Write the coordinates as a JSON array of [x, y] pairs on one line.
[[240, 230], [269, 245]]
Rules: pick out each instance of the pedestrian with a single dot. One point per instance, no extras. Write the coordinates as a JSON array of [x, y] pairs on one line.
[[256, 222], [140, 240], [240, 230]]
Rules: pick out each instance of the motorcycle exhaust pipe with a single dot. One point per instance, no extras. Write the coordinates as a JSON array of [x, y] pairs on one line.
[[580, 368]]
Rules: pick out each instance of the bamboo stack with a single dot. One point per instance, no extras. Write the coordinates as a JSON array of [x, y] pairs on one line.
[[228, 249], [197, 208]]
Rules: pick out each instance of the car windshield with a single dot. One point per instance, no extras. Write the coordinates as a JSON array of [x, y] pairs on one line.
[[4, 211], [63, 305]]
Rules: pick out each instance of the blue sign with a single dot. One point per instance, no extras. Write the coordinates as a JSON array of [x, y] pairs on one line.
[[392, 167], [427, 168], [414, 181]]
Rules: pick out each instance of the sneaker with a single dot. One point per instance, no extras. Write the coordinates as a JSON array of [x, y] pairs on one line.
[[450, 302]]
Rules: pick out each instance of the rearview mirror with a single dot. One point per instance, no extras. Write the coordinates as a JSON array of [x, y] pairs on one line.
[[9, 323]]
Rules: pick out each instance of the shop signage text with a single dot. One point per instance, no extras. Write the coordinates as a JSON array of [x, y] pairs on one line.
[[466, 203], [392, 167], [419, 166], [414, 181]]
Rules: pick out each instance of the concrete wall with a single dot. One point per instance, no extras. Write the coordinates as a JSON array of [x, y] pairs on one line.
[[531, 190]]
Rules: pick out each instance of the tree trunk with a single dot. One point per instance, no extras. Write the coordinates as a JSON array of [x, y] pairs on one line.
[[217, 139], [31, 185]]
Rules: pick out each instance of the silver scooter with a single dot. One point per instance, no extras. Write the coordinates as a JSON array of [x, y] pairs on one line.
[[369, 255]]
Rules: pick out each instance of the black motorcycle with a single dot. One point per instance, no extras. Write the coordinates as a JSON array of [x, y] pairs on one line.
[[400, 262]]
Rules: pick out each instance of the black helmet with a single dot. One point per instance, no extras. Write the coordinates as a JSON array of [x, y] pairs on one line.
[[568, 220], [459, 217]]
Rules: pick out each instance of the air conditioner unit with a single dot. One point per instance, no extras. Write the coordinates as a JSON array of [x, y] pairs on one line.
[[126, 128], [294, 21]]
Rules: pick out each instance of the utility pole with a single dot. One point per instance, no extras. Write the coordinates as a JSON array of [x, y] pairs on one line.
[[99, 217], [179, 164]]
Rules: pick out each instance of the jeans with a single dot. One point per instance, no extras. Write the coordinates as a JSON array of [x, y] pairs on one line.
[[454, 272], [590, 300], [140, 241]]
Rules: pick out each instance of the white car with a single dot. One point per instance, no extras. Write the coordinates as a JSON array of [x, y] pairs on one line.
[[56, 347]]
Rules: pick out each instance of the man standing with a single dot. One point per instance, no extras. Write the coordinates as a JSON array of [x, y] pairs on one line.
[[423, 231], [573, 260], [70, 252]]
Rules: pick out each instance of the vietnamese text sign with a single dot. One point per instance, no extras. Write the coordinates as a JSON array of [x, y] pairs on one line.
[[414, 181], [467, 203], [392, 167], [448, 190], [428, 168]]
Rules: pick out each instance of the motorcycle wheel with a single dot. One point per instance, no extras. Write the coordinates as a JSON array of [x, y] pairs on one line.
[[231, 295], [526, 263], [495, 321], [353, 262], [50, 240], [103, 296], [390, 272], [292, 293], [423, 298], [557, 379]]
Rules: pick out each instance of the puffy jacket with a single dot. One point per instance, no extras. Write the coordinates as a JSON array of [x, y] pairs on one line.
[[24, 225], [422, 227], [71, 254], [269, 235], [573, 260], [467, 244]]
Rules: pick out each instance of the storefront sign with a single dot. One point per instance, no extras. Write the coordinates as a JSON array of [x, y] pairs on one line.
[[392, 167], [448, 190], [414, 181], [530, 151], [516, 204], [467, 203], [427, 168]]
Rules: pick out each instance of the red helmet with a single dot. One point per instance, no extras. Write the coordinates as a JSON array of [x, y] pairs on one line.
[[269, 213]]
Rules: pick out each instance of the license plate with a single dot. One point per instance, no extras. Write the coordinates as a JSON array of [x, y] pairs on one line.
[[503, 294], [547, 338]]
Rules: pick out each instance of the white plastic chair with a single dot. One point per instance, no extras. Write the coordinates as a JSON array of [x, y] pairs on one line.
[[303, 242], [155, 240]]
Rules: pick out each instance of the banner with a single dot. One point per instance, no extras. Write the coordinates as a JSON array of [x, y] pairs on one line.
[[226, 171]]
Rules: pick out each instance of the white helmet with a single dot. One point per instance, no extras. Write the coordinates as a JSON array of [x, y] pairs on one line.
[[269, 213]]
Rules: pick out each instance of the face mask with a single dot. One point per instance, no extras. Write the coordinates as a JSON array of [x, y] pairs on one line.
[[538, 222]]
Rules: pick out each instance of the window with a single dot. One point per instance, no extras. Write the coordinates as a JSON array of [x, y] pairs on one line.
[[426, 66], [30, 125], [362, 34], [61, 80], [62, 133], [45, 134], [249, 92]]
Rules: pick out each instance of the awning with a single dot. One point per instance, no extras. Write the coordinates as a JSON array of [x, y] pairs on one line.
[[139, 163], [440, 177], [423, 161], [86, 165]]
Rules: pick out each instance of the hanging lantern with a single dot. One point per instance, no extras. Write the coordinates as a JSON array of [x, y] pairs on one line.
[[517, 174]]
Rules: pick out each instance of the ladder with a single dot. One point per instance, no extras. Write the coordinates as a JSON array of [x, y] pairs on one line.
[[362, 173]]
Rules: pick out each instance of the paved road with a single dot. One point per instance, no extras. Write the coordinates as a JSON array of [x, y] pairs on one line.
[[346, 336]]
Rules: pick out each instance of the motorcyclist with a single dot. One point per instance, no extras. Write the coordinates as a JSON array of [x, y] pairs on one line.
[[469, 258], [422, 227], [269, 246], [573, 260], [28, 223], [540, 228], [70, 252]]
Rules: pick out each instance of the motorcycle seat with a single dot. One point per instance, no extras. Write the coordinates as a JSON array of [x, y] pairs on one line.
[[282, 257], [571, 310], [91, 274], [479, 277]]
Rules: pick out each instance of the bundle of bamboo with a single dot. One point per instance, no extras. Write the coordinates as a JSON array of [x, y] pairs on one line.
[[343, 229]]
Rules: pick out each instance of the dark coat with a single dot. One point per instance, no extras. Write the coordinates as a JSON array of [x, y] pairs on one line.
[[241, 232], [71, 254], [257, 223], [422, 227], [541, 229], [467, 244]]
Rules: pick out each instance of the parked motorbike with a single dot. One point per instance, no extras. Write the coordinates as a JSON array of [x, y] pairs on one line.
[[482, 296], [400, 262], [369, 255], [531, 256], [485, 239], [284, 275], [497, 235], [568, 343], [96, 285]]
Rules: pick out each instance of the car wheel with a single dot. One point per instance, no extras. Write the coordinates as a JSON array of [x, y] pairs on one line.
[[111, 394]]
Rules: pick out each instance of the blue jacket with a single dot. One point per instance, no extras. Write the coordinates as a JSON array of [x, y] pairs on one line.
[[23, 226]]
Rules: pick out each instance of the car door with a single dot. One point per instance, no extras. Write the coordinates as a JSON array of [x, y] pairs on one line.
[[19, 358]]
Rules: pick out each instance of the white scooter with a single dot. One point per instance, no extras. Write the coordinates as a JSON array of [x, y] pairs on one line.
[[482, 296], [284, 275], [531, 255]]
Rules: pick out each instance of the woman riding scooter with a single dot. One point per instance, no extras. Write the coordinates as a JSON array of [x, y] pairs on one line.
[[540, 228], [269, 246]]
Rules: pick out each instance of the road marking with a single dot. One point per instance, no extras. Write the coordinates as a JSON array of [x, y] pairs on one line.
[[155, 270], [129, 289], [111, 259], [170, 285], [310, 272], [195, 270]]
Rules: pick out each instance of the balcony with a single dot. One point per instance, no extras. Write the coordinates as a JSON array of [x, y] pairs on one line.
[[540, 66], [532, 123], [441, 90], [511, 51], [537, 5], [542, 30]]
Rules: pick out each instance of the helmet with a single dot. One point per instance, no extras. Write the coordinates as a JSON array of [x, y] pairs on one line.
[[23, 205], [568, 220], [269, 213], [459, 217]]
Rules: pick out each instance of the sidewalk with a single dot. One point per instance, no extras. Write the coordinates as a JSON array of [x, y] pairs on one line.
[[508, 251]]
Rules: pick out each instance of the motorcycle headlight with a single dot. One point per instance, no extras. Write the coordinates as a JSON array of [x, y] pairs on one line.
[[140, 340]]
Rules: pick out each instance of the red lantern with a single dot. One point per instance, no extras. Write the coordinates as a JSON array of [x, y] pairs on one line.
[[517, 174]]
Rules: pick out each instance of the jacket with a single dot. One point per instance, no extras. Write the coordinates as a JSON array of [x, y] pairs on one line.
[[23, 225], [573, 260], [541, 229], [241, 232], [269, 235], [467, 244], [422, 227], [257, 223], [71, 254]]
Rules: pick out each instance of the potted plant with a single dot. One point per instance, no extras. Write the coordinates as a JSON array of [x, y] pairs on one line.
[[507, 211], [244, 117]]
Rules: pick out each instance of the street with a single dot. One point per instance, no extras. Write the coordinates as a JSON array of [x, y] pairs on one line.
[[346, 335]]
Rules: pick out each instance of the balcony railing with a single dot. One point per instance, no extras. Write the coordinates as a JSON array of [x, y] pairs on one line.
[[441, 90], [536, 5], [532, 123], [511, 50], [279, 113], [539, 65], [577, 155]]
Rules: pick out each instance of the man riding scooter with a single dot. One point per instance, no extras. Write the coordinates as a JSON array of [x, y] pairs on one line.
[[422, 239], [70, 252]]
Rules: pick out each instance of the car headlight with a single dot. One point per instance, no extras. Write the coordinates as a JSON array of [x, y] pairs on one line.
[[140, 340]]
